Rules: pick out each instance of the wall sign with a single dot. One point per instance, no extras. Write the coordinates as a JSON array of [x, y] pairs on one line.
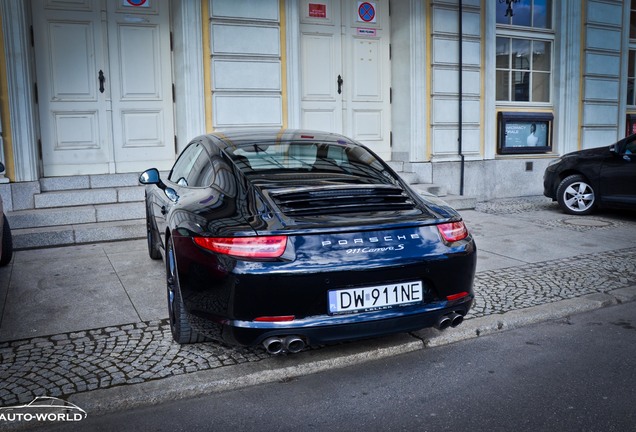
[[366, 12], [136, 3], [524, 132], [317, 10], [366, 32]]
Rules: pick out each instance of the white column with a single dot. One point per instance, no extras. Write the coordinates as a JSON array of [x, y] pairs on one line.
[[20, 75], [418, 81], [292, 39], [188, 70]]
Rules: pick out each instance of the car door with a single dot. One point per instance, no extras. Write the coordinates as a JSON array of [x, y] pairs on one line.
[[618, 175], [178, 183]]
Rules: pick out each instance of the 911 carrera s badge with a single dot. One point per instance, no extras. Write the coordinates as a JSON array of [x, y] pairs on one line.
[[374, 249]]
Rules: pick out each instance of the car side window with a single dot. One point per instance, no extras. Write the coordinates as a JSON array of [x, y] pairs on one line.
[[202, 173], [181, 173]]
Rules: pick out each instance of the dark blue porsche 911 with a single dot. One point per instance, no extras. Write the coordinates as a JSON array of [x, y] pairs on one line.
[[289, 238]]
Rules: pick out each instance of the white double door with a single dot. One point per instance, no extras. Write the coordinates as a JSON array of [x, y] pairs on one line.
[[345, 70], [104, 85]]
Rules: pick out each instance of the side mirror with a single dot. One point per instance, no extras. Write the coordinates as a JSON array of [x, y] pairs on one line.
[[2, 167], [151, 177]]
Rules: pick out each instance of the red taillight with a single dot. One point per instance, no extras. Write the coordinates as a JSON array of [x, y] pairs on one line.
[[245, 247], [281, 318], [453, 231], [457, 296]]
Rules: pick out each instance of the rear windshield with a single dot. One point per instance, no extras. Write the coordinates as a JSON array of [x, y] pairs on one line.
[[332, 158]]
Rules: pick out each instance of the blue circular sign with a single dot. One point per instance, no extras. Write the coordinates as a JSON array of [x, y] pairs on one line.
[[366, 12]]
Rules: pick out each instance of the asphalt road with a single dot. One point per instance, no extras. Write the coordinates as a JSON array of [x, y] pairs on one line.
[[576, 374]]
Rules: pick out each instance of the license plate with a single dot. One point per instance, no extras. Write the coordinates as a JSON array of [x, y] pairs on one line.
[[375, 297]]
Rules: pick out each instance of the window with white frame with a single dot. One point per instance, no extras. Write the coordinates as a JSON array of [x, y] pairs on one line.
[[525, 40], [631, 66]]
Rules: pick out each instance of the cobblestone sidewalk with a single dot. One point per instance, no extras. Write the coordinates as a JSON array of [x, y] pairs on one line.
[[68, 363]]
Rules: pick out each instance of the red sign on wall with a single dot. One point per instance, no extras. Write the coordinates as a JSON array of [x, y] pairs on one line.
[[317, 10]]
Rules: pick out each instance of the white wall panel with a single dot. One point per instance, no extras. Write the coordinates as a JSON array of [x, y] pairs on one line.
[[143, 128], [319, 119], [601, 89], [602, 64], [446, 51], [446, 81], [245, 40], [446, 21], [445, 111], [140, 62], [76, 130], [445, 141], [605, 13], [604, 39], [600, 115], [246, 75], [242, 110], [266, 10], [367, 125], [318, 52], [591, 138]]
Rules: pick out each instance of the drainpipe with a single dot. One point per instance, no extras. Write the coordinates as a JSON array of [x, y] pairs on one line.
[[459, 139]]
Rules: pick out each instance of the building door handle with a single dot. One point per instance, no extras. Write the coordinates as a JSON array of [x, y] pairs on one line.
[[102, 80], [340, 81]]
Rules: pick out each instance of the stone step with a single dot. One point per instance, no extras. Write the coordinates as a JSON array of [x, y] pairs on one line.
[[80, 197], [49, 184], [76, 215], [29, 238], [431, 188], [460, 202], [409, 177]]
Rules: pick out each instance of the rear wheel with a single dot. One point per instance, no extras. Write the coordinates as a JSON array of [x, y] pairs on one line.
[[7, 243], [576, 196], [180, 327]]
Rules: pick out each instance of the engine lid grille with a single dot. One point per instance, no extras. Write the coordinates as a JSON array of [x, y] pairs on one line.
[[340, 199]]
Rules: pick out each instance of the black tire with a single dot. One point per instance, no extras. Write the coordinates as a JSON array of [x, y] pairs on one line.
[[7, 243], [576, 195], [180, 327], [154, 250]]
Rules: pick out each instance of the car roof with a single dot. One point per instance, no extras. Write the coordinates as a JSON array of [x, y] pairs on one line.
[[240, 137]]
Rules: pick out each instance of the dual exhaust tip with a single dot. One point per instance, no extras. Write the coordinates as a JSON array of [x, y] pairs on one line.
[[278, 345], [452, 319], [294, 344]]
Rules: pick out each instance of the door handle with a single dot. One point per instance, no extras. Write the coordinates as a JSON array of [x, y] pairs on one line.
[[340, 81], [102, 80]]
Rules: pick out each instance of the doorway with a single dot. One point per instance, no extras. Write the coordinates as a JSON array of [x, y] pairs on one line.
[[104, 86], [345, 70]]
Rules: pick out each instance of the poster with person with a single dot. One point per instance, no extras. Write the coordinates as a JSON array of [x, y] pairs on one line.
[[526, 134]]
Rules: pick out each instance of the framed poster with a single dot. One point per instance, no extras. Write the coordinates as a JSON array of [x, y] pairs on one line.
[[631, 124], [524, 132]]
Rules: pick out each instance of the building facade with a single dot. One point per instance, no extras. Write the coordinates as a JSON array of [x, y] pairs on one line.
[[476, 96]]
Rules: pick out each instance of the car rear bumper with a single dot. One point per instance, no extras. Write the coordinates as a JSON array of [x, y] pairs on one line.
[[328, 329]]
